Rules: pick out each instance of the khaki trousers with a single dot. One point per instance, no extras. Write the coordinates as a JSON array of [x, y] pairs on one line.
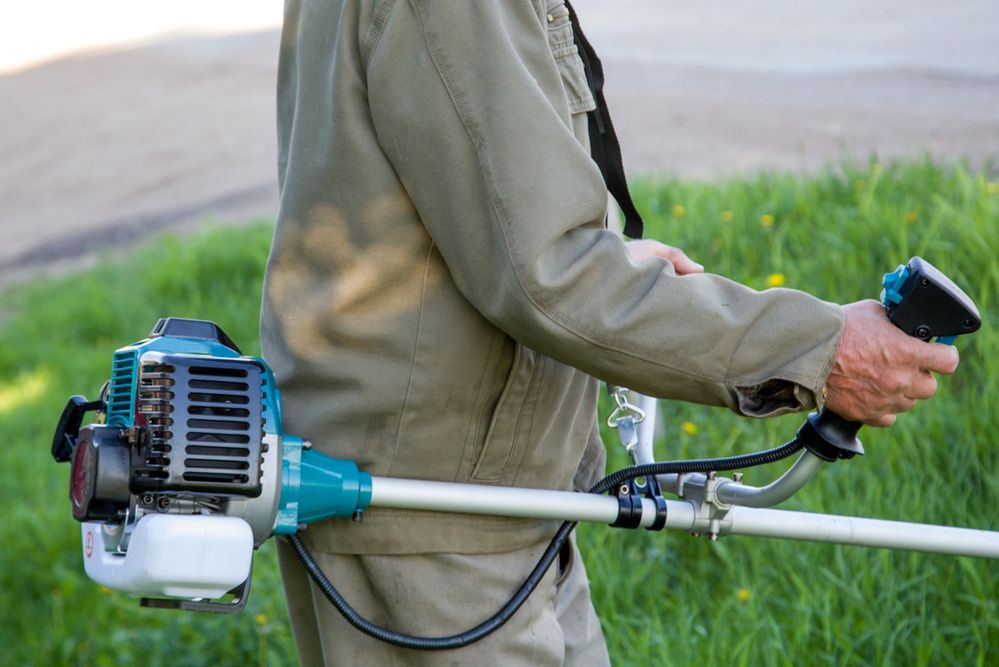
[[443, 594]]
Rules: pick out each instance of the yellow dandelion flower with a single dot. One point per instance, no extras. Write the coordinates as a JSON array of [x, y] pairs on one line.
[[766, 220], [728, 216], [911, 216], [743, 595], [992, 188], [679, 211], [876, 168], [261, 619], [105, 589], [775, 280], [690, 428]]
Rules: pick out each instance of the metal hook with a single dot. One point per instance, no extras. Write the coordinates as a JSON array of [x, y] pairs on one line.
[[624, 408]]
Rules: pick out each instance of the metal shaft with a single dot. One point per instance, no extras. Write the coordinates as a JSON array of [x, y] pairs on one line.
[[864, 532], [565, 505], [513, 502], [777, 491]]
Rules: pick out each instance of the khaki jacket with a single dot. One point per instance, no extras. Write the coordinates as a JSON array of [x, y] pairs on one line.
[[442, 291]]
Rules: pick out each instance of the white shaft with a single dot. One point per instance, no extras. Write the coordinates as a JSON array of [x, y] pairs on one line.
[[416, 494], [647, 429], [568, 506], [864, 532]]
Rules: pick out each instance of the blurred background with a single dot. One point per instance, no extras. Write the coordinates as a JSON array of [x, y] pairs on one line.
[[807, 144], [119, 119]]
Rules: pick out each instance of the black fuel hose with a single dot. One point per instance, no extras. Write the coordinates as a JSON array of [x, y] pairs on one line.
[[471, 636], [496, 621]]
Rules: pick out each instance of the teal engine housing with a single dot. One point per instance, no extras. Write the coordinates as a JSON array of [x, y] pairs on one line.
[[187, 424]]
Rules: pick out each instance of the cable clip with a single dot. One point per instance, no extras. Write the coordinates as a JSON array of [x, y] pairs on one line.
[[629, 501]]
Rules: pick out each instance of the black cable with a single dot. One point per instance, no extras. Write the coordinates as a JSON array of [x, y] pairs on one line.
[[485, 628], [698, 465], [498, 619]]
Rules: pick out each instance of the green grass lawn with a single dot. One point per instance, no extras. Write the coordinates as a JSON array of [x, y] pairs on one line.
[[663, 598]]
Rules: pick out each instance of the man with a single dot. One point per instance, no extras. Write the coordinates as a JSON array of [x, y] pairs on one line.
[[442, 293]]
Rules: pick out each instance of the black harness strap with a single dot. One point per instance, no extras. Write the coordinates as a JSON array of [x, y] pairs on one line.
[[604, 146]]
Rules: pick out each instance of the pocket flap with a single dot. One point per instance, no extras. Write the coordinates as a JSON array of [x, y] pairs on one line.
[[570, 65]]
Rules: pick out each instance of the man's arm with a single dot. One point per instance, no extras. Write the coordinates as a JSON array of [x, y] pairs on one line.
[[468, 105], [879, 371]]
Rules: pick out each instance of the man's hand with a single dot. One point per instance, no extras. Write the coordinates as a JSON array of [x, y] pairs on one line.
[[880, 371], [645, 248]]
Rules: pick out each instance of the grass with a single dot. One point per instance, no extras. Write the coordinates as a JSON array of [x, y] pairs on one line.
[[663, 598]]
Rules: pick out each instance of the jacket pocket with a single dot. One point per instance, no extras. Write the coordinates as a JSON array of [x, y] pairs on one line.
[[510, 419], [566, 54]]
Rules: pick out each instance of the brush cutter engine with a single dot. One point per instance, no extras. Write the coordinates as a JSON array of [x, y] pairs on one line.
[[187, 471]]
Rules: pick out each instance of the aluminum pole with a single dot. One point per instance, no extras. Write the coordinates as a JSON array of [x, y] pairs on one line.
[[863, 532], [413, 494], [681, 515], [777, 491]]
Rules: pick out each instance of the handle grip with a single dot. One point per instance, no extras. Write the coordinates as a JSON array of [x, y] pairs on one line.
[[922, 302], [68, 429], [830, 436]]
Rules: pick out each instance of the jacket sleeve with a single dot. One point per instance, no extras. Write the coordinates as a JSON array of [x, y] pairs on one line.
[[469, 106]]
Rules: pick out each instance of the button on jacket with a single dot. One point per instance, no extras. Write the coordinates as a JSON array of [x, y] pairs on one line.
[[442, 291]]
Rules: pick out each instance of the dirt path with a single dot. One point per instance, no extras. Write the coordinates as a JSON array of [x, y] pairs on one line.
[[101, 150]]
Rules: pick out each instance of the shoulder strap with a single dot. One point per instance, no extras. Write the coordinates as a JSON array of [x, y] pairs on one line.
[[604, 146]]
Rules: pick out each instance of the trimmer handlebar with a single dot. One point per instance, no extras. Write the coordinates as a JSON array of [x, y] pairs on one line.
[[925, 304]]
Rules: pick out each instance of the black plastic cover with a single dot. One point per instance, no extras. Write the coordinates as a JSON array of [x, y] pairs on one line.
[[932, 305], [98, 481], [830, 436], [185, 328], [68, 428]]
